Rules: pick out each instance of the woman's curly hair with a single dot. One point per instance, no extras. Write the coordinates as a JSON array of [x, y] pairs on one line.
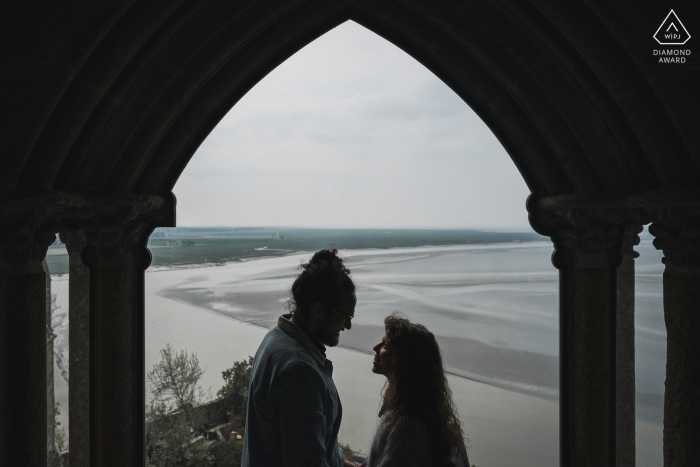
[[324, 279], [419, 387]]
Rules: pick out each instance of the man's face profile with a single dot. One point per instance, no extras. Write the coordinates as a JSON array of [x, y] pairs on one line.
[[336, 321]]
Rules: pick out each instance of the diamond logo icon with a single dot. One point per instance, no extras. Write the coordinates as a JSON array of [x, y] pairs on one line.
[[672, 31]]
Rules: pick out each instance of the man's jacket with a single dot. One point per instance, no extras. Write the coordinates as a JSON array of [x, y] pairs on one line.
[[294, 412]]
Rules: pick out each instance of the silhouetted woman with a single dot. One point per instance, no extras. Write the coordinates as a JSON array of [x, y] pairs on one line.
[[419, 425]]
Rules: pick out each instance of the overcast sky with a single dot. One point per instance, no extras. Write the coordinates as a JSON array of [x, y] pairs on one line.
[[352, 132]]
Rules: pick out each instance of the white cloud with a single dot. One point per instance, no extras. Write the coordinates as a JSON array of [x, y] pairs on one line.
[[352, 132]]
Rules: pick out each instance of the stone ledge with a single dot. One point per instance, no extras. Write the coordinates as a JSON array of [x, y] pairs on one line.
[[634, 200]]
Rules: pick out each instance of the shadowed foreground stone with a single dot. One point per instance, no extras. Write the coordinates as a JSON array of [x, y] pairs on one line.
[[23, 369], [678, 235], [104, 104]]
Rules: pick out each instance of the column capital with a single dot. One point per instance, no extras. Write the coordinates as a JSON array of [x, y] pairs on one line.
[[26, 231], [105, 217], [74, 239], [588, 237], [677, 234], [631, 239], [641, 207], [584, 221], [120, 234], [644, 206], [29, 220]]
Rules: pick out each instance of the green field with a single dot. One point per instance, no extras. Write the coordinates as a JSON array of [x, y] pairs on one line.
[[191, 245]]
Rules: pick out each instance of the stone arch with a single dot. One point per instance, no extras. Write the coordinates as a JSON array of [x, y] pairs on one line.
[[150, 81], [104, 103]]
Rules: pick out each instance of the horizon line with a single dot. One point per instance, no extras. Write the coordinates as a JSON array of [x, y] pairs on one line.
[[353, 227]]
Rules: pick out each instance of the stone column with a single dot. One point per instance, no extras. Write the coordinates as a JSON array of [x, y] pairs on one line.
[[23, 411], [678, 235], [626, 392], [117, 259], [117, 227], [588, 296], [78, 349], [588, 244]]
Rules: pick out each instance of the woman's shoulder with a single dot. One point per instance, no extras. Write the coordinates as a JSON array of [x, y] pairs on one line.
[[406, 443], [410, 428]]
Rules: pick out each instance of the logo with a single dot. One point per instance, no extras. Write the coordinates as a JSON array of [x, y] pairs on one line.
[[672, 31]]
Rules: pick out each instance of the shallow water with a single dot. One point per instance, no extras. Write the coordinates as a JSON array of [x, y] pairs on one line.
[[494, 308]]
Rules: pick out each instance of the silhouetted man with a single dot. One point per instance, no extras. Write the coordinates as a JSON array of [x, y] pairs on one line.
[[294, 411]]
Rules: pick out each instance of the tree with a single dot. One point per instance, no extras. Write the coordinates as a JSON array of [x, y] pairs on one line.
[[174, 385], [198, 455], [227, 453], [235, 390], [171, 433], [59, 432], [174, 381]]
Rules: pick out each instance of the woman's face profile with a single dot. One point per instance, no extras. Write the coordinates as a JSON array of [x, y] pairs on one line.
[[383, 356]]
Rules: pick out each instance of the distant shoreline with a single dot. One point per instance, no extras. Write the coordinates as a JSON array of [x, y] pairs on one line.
[[156, 268], [187, 246]]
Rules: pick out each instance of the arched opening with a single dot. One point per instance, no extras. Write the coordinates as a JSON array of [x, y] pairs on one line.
[[112, 112], [352, 142]]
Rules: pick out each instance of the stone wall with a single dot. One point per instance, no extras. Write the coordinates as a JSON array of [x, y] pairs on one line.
[[211, 413]]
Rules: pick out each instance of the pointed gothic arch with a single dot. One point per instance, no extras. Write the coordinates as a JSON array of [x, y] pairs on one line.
[[129, 100], [104, 104]]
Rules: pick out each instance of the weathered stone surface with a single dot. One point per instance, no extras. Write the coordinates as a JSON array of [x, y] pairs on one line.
[[588, 258], [571, 89], [594, 238], [582, 227], [678, 235], [117, 258], [115, 97], [23, 350], [118, 226]]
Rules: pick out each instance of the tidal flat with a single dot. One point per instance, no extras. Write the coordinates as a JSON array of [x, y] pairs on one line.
[[493, 308]]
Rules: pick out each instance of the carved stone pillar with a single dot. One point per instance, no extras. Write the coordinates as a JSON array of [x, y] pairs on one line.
[[78, 348], [587, 259], [23, 366], [117, 259], [117, 227], [626, 392], [588, 244], [678, 235]]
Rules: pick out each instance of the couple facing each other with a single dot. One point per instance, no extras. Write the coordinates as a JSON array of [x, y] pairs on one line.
[[294, 411]]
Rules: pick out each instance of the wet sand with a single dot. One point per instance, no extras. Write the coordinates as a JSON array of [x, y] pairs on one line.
[[488, 312], [503, 427]]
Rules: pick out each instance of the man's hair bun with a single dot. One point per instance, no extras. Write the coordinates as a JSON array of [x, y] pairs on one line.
[[322, 280], [327, 258]]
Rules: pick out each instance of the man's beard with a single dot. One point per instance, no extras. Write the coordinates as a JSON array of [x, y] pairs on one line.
[[329, 338]]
